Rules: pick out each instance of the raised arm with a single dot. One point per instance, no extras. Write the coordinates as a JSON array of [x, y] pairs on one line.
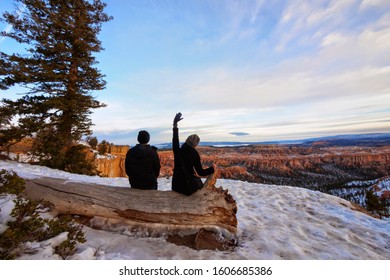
[[175, 139]]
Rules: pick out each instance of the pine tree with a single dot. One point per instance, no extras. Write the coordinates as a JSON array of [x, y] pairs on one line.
[[103, 147], [376, 205], [57, 70], [92, 141]]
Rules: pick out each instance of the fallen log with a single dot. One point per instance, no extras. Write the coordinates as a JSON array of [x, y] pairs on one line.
[[149, 212]]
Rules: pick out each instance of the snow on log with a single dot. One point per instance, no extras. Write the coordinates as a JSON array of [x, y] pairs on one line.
[[154, 212]]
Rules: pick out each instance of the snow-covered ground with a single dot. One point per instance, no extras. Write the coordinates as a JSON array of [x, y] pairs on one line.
[[355, 191], [274, 223]]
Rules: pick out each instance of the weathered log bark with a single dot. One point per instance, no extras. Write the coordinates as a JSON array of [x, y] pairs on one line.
[[157, 212]]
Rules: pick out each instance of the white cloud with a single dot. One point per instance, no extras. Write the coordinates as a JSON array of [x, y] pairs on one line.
[[303, 21], [375, 3], [7, 29], [259, 4], [334, 39]]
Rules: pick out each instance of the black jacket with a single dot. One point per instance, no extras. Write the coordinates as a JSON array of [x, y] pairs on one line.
[[143, 167], [187, 161]]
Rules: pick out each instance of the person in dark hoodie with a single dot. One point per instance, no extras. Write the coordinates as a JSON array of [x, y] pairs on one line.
[[187, 164], [142, 164]]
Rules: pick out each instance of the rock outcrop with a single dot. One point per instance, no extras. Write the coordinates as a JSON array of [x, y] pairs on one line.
[[113, 164]]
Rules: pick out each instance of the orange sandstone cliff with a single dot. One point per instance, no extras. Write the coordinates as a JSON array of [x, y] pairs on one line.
[[113, 164]]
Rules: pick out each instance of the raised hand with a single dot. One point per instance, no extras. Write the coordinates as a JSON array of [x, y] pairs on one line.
[[177, 118]]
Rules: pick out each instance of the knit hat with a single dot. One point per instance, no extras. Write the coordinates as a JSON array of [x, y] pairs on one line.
[[193, 140], [143, 137]]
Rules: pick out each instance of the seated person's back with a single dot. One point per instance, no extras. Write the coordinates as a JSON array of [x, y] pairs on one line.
[[142, 164]]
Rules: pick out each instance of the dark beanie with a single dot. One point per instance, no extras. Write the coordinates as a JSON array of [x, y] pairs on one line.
[[143, 137]]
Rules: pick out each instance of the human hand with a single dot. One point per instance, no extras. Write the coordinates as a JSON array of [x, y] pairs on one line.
[[177, 118]]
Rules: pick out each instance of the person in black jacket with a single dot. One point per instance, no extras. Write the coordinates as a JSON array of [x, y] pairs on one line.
[[187, 164], [142, 164]]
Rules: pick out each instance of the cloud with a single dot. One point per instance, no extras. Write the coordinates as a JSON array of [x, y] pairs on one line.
[[7, 29], [239, 133], [304, 23], [375, 3]]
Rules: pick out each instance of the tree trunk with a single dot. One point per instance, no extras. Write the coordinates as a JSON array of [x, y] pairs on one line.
[[156, 212]]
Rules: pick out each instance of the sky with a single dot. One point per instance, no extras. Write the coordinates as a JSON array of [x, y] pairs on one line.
[[241, 70]]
